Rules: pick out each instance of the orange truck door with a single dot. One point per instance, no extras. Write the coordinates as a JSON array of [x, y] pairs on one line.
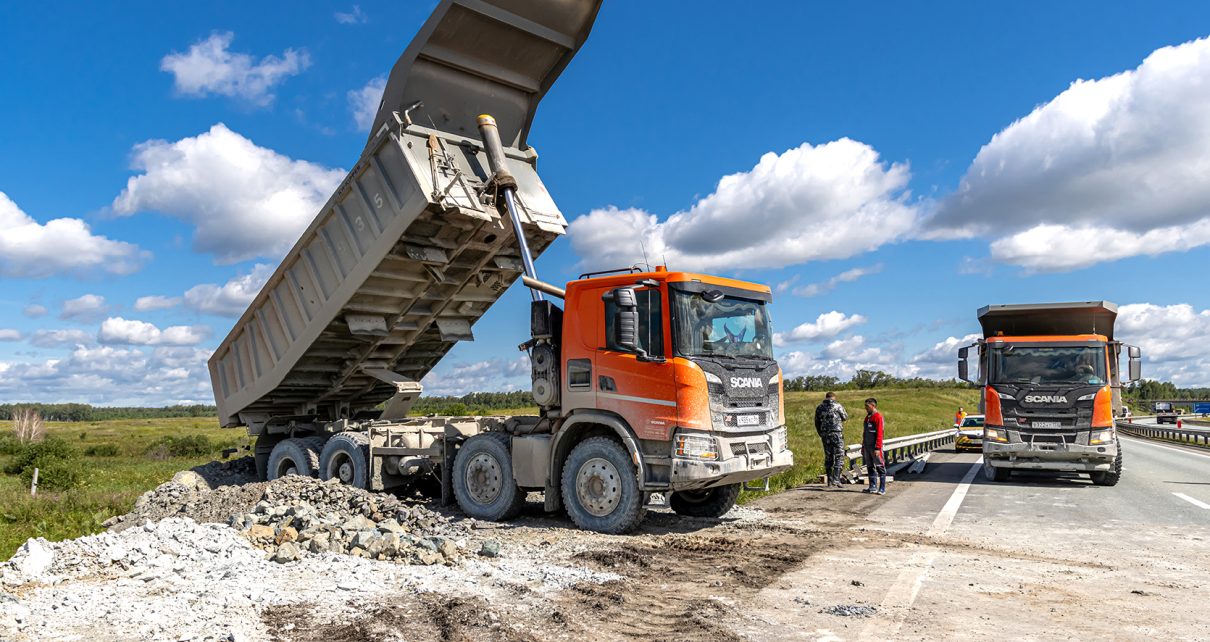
[[642, 392]]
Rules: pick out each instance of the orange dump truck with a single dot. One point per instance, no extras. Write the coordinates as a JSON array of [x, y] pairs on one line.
[[1051, 388], [647, 382]]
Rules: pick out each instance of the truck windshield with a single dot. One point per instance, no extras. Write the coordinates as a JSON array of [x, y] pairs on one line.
[[728, 327], [1049, 364]]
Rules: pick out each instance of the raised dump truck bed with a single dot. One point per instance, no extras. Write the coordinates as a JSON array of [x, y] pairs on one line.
[[411, 249]]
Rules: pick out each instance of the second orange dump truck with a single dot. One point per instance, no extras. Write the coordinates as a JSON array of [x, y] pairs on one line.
[[1051, 388]]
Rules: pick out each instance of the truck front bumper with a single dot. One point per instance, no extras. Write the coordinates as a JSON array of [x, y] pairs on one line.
[[742, 459], [1072, 458]]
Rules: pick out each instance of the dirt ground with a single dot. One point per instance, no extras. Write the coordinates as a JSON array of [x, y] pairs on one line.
[[808, 564]]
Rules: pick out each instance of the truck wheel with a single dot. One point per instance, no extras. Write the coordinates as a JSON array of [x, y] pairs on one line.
[[347, 457], [991, 473], [600, 488], [483, 478], [711, 502], [1110, 477], [295, 456]]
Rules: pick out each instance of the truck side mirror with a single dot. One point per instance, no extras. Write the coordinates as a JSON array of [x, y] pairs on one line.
[[963, 368], [626, 321], [1136, 363]]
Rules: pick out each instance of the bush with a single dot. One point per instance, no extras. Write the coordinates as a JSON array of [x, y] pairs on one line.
[[188, 446], [57, 461], [102, 450], [9, 445]]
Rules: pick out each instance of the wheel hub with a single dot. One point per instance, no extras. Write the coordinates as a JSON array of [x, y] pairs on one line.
[[345, 471], [598, 486], [483, 478]]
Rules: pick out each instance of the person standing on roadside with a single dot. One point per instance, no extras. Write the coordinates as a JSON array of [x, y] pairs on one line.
[[829, 423], [871, 447], [959, 416]]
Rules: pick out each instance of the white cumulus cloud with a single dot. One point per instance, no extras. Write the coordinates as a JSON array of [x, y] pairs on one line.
[[112, 376], [34, 311], [156, 302], [823, 287], [363, 103], [59, 246], [489, 375], [116, 330], [85, 308], [209, 67], [1173, 340], [243, 200], [231, 298], [829, 201], [10, 334], [825, 326], [56, 338], [1108, 169]]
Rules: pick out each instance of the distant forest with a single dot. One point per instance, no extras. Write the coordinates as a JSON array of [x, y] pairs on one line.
[[482, 403], [85, 412]]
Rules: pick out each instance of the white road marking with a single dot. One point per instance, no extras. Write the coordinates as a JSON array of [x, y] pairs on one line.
[[903, 592], [1136, 440], [1196, 502]]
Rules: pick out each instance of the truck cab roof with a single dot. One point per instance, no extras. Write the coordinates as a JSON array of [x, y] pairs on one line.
[[1051, 338], [662, 275]]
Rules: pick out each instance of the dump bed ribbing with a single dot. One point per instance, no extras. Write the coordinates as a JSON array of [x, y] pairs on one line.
[[411, 249]]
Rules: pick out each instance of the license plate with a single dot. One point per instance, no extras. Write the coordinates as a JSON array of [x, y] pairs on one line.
[[747, 420], [1047, 424]]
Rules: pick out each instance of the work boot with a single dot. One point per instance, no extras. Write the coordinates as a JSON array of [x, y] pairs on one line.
[[881, 485], [871, 489]]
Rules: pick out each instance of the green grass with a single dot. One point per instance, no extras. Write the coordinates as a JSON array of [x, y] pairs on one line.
[[112, 483], [906, 412]]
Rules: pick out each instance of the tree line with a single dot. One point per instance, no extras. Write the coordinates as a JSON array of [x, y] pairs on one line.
[[85, 412], [1148, 389], [866, 380]]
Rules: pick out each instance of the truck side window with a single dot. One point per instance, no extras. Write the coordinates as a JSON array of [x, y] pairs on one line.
[[651, 323]]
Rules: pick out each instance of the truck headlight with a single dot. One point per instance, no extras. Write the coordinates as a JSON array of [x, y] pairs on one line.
[[1100, 437], [1088, 397], [712, 378], [997, 435], [780, 440], [695, 447]]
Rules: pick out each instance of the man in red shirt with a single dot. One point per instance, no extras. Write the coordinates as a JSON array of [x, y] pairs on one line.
[[871, 448]]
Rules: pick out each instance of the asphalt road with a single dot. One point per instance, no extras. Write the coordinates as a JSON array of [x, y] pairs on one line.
[[1038, 557]]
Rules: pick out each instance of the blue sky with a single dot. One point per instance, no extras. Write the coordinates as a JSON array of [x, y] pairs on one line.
[[890, 169]]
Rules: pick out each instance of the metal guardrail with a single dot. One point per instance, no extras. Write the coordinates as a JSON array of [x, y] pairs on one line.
[[1191, 436], [903, 448]]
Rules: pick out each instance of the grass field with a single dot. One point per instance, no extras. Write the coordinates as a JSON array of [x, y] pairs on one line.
[[113, 483]]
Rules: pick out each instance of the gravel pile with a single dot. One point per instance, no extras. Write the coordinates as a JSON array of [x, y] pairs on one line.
[[189, 495], [850, 610], [298, 516]]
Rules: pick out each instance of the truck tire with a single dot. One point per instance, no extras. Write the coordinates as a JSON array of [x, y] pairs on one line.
[[1110, 477], [994, 474], [600, 488], [711, 502], [294, 456], [483, 478], [346, 457]]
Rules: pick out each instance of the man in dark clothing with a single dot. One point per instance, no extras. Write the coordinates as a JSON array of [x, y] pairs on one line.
[[871, 448], [829, 423]]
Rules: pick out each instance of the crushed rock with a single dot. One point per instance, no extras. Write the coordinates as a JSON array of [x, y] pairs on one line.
[[299, 516], [849, 610], [177, 579]]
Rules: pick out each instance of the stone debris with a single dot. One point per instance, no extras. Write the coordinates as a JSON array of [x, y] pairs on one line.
[[300, 516], [849, 610]]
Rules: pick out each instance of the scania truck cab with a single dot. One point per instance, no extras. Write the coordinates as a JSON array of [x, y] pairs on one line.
[[1051, 388]]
